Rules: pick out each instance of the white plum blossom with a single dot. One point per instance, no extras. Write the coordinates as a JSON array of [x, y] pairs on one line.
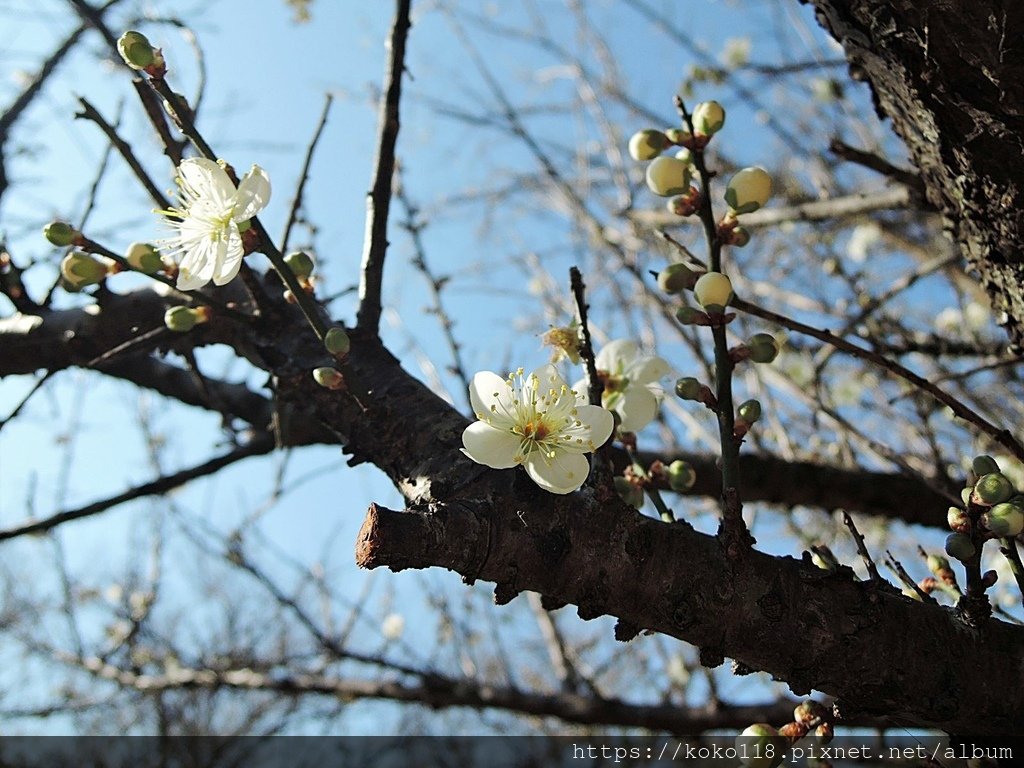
[[536, 421], [208, 237], [631, 386], [392, 626]]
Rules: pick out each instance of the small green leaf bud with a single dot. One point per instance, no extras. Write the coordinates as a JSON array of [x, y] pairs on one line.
[[713, 291], [647, 144], [809, 711], [137, 51], [300, 263], [748, 190], [667, 176], [629, 492], [688, 388], [760, 746], [336, 341], [708, 118], [688, 315], [681, 476], [80, 270], [984, 465], [329, 378], [960, 547], [749, 411], [1003, 520], [183, 319], [993, 488], [677, 277], [144, 258], [763, 348], [959, 520], [60, 234]]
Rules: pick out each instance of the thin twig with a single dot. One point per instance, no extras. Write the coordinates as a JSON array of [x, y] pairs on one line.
[[378, 202], [862, 549], [304, 176], [901, 572]]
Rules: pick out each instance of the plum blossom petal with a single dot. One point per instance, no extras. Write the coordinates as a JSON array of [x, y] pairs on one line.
[[631, 386], [496, 448], [562, 474]]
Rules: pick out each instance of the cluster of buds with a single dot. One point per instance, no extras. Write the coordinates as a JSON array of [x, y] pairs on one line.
[[302, 266], [994, 509], [139, 54], [182, 319], [763, 746]]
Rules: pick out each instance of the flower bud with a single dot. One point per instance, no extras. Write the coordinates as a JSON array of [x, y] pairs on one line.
[[137, 51], [822, 557], [667, 176], [713, 291], [688, 388], [684, 205], [60, 234], [300, 263], [647, 144], [1004, 520], [960, 547], [984, 465], [958, 520], [708, 118], [677, 277], [688, 315], [748, 190], [760, 746], [629, 492], [739, 237], [144, 258], [993, 488], [681, 476], [763, 348], [826, 732], [678, 136], [80, 270], [749, 411], [966, 494], [989, 579], [329, 378], [809, 711], [336, 341], [183, 319], [937, 565], [685, 155]]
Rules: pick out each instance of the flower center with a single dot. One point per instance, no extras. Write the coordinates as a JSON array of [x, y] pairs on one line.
[[536, 431]]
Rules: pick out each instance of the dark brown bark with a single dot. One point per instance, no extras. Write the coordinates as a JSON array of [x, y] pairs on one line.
[[950, 77]]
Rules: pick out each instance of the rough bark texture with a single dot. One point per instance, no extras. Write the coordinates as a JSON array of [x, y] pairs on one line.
[[950, 76]]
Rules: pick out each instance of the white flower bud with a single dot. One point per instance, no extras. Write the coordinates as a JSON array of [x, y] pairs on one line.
[[137, 51], [708, 118], [748, 190], [647, 144], [329, 378], [144, 258], [183, 319], [668, 176], [714, 291], [80, 270]]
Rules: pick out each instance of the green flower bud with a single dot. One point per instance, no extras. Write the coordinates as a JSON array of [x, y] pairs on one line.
[[647, 144], [667, 176], [677, 277], [760, 746], [629, 492], [1004, 520], [959, 520], [708, 118], [329, 378], [678, 136], [937, 565], [300, 263], [688, 388], [984, 465], [685, 155], [763, 348], [337, 342], [144, 258], [749, 411], [60, 234], [684, 205], [960, 547], [748, 190], [993, 488], [681, 476], [183, 319], [688, 315], [739, 237], [965, 494], [713, 291], [80, 270], [137, 51]]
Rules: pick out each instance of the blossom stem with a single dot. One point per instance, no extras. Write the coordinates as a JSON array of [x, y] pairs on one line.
[[653, 493]]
